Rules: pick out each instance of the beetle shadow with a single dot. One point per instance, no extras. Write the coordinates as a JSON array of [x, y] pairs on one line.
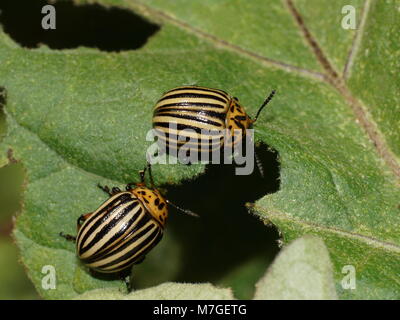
[[90, 25], [121, 275], [225, 236]]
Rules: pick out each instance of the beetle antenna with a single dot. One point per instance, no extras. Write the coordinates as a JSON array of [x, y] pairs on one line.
[[269, 98], [142, 174], [150, 175], [188, 212]]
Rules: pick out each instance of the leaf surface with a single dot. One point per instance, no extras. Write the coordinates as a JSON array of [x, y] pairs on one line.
[[79, 117]]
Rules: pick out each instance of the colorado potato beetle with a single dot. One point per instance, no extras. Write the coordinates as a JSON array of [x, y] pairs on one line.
[[123, 229], [198, 109]]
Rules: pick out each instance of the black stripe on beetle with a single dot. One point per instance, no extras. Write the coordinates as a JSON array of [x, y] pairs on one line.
[[201, 89], [188, 107], [192, 95]]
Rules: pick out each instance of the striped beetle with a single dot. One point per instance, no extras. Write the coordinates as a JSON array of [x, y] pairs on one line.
[[200, 108], [124, 228]]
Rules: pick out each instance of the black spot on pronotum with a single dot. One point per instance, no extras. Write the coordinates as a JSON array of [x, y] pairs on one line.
[[157, 201], [161, 206], [239, 124], [88, 25], [240, 118]]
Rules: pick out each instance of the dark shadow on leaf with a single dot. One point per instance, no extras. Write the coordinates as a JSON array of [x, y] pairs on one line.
[[108, 276], [94, 26], [225, 236]]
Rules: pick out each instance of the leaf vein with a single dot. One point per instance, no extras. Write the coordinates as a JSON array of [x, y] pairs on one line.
[[360, 111], [226, 44], [371, 241], [356, 41]]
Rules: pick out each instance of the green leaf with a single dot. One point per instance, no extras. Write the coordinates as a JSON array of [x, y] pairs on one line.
[[302, 271], [14, 283], [165, 291], [79, 117]]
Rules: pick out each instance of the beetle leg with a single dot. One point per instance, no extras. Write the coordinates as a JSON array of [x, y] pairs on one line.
[[115, 190], [141, 174], [68, 237], [130, 186], [79, 222], [82, 219], [106, 189], [259, 164], [128, 283]]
